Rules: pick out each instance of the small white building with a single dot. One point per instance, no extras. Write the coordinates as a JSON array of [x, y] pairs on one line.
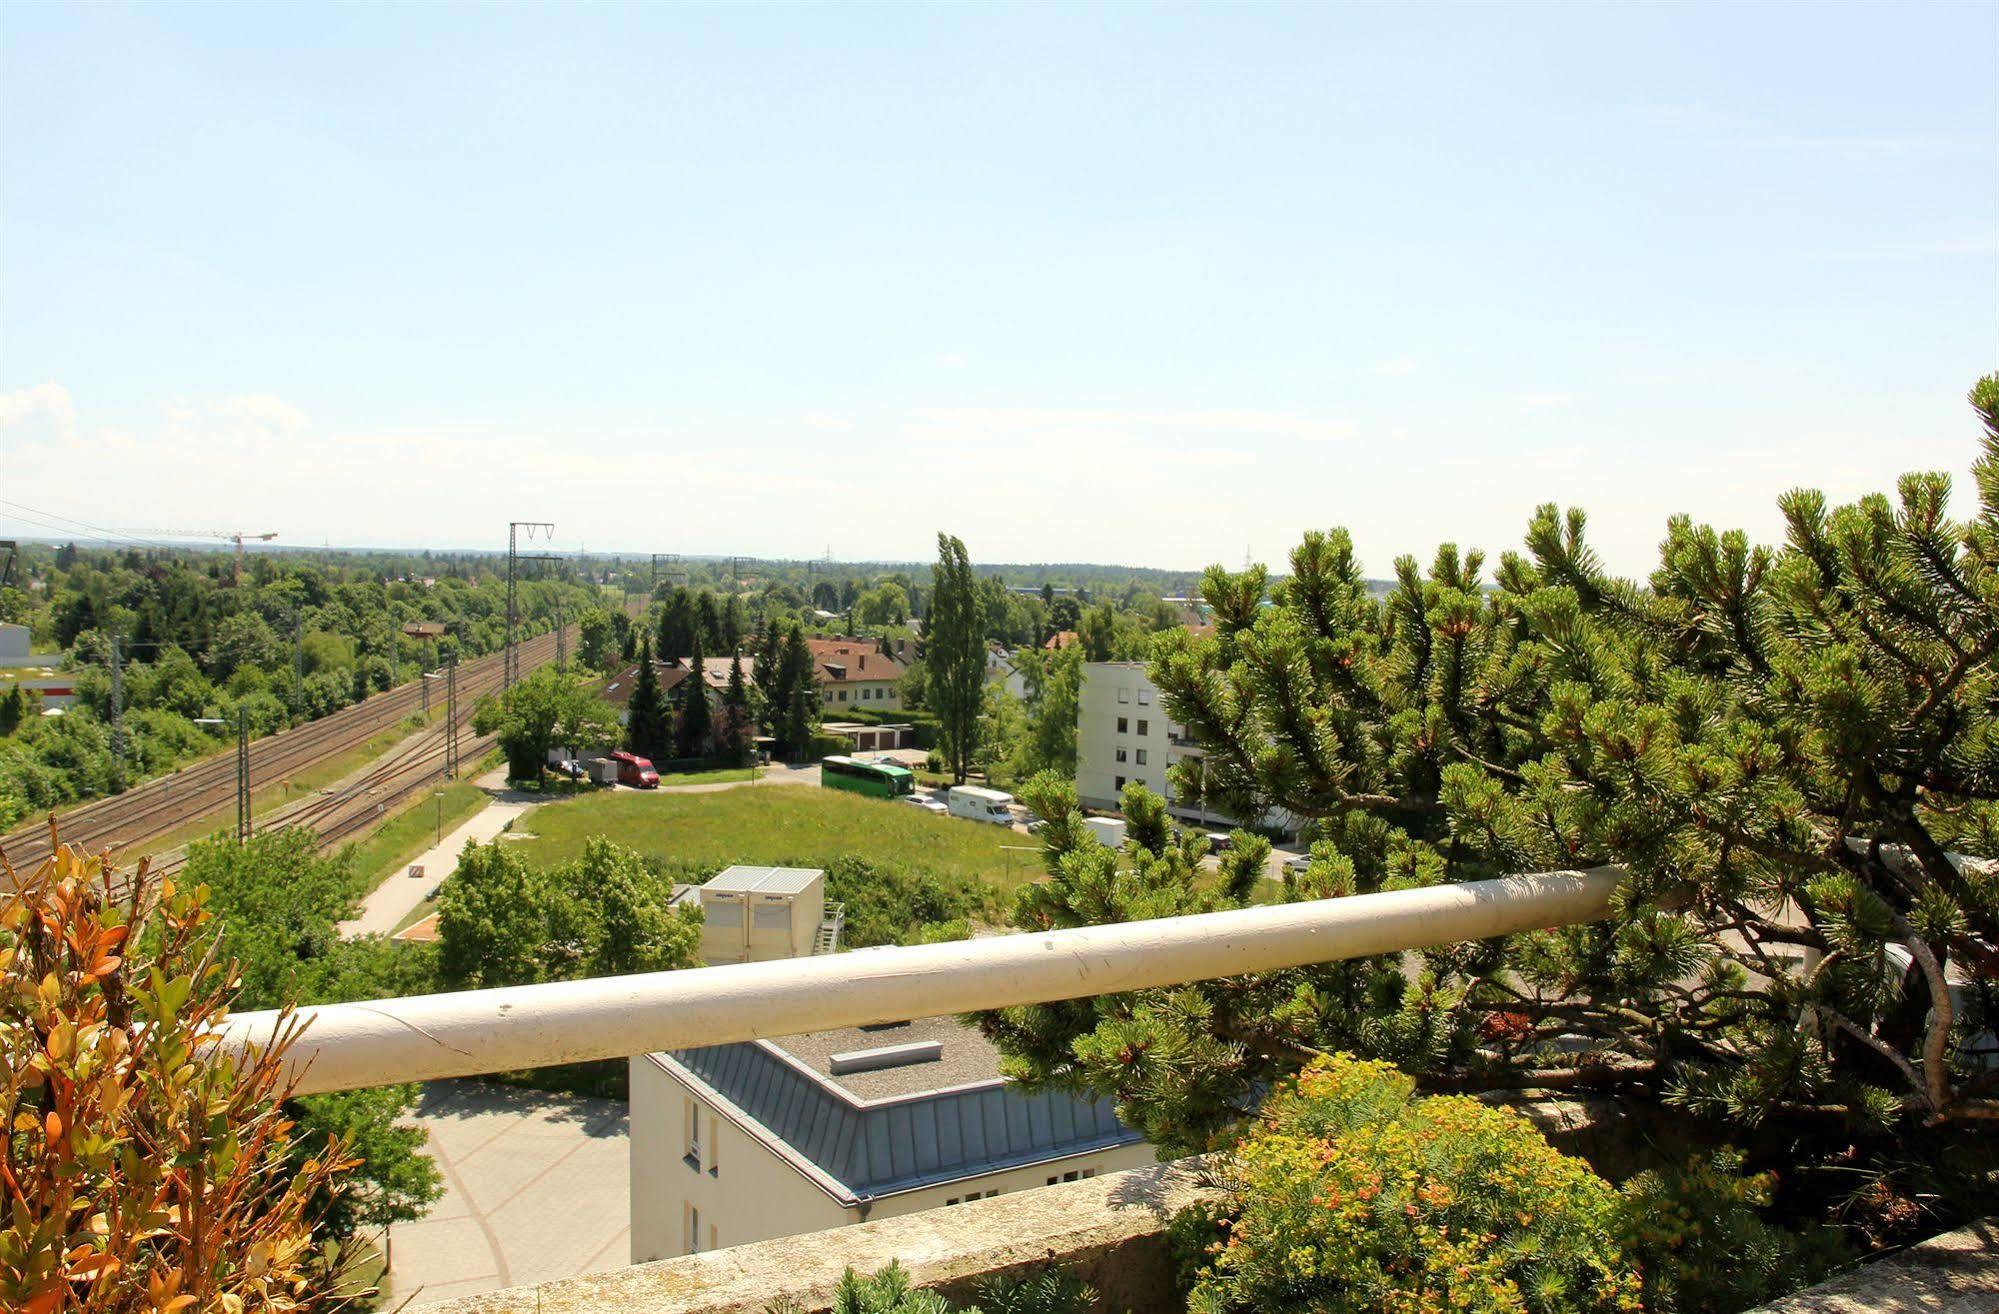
[[771, 1138], [761, 914]]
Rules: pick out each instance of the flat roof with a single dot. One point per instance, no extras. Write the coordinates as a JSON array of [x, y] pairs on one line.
[[763, 880], [967, 1057]]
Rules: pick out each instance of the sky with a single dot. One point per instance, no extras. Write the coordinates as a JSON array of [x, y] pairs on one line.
[[1141, 284]]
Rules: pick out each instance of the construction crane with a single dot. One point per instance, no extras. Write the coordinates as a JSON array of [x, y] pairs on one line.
[[236, 536]]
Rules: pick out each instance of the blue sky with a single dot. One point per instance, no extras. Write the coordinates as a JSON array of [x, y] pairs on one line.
[[1127, 284]]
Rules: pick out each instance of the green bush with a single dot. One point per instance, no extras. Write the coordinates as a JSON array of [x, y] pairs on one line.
[[890, 904], [1703, 1245], [1351, 1197], [822, 745], [1051, 1291]]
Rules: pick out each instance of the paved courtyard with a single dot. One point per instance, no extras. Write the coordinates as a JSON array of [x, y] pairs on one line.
[[536, 1187]]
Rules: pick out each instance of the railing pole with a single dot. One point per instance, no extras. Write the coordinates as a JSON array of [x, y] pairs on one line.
[[423, 1037]]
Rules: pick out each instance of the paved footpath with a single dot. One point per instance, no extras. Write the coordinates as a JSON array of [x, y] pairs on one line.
[[536, 1187], [400, 892]]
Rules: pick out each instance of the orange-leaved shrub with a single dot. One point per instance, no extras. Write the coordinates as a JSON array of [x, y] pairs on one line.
[[147, 1164]]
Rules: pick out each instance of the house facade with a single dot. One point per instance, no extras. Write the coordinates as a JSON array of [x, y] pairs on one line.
[[855, 673]]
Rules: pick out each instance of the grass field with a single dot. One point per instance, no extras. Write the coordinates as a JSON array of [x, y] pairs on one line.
[[792, 824], [413, 830], [716, 776]]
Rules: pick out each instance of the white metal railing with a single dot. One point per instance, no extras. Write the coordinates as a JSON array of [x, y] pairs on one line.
[[422, 1037]]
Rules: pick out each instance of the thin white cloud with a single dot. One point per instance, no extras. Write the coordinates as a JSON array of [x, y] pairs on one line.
[[50, 400], [275, 416]]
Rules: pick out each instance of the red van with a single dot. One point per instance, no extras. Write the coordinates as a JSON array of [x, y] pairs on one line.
[[635, 771]]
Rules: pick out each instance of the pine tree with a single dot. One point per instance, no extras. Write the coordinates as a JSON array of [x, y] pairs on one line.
[[798, 692], [694, 709], [954, 655], [1790, 752], [677, 625], [733, 626], [647, 720], [734, 726]]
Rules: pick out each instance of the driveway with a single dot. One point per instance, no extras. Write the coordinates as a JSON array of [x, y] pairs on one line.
[[536, 1187]]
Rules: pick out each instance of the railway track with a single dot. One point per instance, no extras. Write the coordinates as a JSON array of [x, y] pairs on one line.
[[169, 803]]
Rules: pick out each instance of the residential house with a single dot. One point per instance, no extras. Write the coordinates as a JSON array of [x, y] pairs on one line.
[[855, 673]]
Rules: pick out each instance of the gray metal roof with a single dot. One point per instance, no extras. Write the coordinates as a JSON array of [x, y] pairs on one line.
[[765, 880], [917, 1125]]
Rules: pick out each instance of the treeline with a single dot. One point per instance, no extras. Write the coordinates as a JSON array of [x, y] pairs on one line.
[[297, 639]]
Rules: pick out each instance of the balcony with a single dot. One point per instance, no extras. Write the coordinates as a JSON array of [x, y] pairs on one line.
[[465, 1034]]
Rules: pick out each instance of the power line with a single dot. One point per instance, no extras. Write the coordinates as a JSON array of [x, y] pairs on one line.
[[100, 532]]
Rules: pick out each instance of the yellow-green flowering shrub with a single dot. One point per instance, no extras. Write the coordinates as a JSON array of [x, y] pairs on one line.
[[1351, 1195]]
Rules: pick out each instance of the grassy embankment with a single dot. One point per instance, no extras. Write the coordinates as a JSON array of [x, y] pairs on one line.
[[414, 829], [783, 824]]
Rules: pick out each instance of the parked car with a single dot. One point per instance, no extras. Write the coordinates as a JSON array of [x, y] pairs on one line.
[[1297, 862], [1219, 841], [572, 768], [927, 803]]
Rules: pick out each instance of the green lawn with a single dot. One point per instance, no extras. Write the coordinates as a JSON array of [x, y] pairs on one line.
[[413, 830], [788, 824], [715, 776]]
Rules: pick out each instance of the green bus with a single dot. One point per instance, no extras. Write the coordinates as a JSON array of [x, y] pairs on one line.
[[878, 779]]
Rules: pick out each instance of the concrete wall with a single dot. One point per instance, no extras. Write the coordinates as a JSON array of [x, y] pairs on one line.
[[1109, 1229]]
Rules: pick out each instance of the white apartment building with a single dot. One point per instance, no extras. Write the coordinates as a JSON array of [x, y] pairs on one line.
[[771, 1138], [1123, 735]]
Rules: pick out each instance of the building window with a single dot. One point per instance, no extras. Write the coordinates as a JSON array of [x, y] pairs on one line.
[[843, 695], [1122, 725], [1120, 755], [693, 1155], [693, 1230], [1145, 697], [1144, 726], [1141, 757], [1089, 1172], [1120, 784], [1124, 695]]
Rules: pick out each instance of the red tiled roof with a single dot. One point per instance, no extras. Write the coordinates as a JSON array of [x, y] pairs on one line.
[[1062, 639], [844, 661]]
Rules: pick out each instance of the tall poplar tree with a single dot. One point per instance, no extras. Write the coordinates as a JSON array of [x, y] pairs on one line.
[[954, 655]]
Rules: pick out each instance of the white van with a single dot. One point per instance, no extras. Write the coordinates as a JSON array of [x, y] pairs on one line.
[[977, 804]]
